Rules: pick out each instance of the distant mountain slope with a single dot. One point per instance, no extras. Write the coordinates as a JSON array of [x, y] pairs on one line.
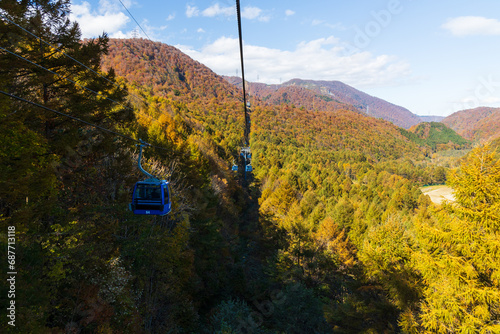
[[165, 69], [213, 105], [171, 73], [481, 123], [372, 106], [328, 96], [437, 136], [173, 83], [296, 95]]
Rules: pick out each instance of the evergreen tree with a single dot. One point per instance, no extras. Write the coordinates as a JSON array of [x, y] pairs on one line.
[[459, 257], [57, 170], [476, 186]]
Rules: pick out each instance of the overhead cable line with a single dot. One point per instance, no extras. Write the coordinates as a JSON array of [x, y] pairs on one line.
[[63, 77], [78, 62], [65, 54], [132, 16], [80, 120], [238, 12]]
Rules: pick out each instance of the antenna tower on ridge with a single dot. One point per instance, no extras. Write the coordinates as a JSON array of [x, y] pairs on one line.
[[135, 33]]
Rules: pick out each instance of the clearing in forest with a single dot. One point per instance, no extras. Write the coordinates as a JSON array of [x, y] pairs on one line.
[[439, 193]]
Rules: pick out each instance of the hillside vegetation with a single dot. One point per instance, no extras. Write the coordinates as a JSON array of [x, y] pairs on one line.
[[329, 96], [437, 136], [329, 234], [477, 124]]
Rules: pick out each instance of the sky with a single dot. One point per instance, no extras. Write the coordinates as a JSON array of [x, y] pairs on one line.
[[431, 57]]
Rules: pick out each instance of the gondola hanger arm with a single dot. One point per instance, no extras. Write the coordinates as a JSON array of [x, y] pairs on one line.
[[142, 143]]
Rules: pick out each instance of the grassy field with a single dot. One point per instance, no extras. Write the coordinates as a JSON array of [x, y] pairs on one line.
[[438, 193]]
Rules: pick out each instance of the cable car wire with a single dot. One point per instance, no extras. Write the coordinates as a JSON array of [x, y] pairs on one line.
[[97, 93], [65, 54], [238, 13], [84, 87], [143, 99], [81, 120], [132, 16], [63, 77]]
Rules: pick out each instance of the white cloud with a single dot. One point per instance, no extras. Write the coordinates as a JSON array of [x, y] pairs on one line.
[[336, 26], [217, 10], [121, 34], [289, 12], [170, 17], [484, 101], [192, 11], [107, 19], [492, 99], [251, 12], [472, 25], [200, 30], [321, 59]]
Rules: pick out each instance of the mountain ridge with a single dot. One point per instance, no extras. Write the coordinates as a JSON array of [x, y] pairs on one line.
[[438, 136], [330, 95], [482, 123], [169, 73]]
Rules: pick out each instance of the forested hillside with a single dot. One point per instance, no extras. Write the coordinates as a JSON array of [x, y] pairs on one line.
[[272, 95], [475, 124], [165, 70], [329, 234], [437, 136], [329, 96], [384, 235]]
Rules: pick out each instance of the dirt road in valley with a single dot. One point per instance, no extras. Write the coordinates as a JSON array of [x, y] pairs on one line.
[[439, 193]]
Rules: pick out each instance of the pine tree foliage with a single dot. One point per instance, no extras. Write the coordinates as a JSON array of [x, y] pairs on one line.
[[459, 268], [458, 254], [476, 187]]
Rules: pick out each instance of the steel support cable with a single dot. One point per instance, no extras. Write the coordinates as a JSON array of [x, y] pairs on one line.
[[65, 54], [97, 93], [132, 16], [143, 99], [65, 78], [238, 13], [155, 71], [80, 120]]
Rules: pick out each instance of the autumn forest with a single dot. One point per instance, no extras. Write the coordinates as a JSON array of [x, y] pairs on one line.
[[330, 232]]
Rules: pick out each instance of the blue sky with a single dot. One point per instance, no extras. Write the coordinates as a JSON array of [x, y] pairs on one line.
[[432, 57]]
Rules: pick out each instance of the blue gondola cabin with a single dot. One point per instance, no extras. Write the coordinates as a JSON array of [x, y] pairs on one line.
[[151, 197]]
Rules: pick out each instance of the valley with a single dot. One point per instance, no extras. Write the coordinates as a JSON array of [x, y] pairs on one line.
[[338, 228]]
